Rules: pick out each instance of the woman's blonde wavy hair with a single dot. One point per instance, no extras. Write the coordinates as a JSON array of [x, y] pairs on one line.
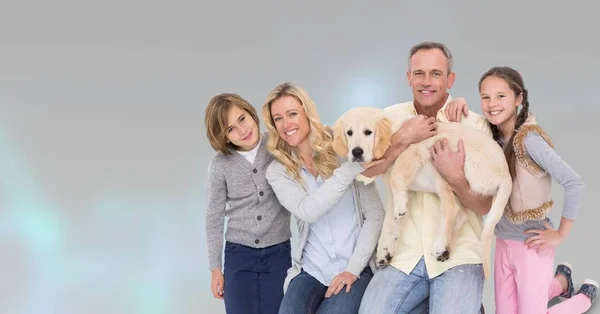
[[325, 160]]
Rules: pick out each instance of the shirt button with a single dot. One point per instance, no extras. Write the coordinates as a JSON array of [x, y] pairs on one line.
[[259, 217], [254, 170], [256, 241], [261, 193]]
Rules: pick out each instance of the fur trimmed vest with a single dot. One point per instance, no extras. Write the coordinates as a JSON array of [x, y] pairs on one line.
[[531, 195]]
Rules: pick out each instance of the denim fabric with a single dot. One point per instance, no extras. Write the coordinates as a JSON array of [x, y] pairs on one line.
[[457, 290], [306, 295], [254, 277]]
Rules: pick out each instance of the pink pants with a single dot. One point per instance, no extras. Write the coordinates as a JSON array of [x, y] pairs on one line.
[[524, 282]]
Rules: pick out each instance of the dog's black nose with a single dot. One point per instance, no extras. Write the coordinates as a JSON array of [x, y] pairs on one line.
[[357, 152]]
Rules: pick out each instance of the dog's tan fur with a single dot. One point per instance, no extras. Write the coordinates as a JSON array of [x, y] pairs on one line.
[[486, 170]]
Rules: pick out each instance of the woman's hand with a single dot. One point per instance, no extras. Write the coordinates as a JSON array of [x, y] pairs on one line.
[[543, 239], [217, 285], [455, 108], [367, 165], [338, 283], [377, 167]]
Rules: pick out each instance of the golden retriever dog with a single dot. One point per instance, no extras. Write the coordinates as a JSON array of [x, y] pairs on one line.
[[364, 134]]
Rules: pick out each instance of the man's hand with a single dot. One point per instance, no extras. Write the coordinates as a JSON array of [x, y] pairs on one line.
[[217, 285], [337, 284], [448, 163], [415, 130], [412, 131], [451, 165], [456, 108]]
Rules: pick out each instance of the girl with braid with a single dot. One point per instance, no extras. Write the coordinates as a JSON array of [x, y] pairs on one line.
[[525, 236]]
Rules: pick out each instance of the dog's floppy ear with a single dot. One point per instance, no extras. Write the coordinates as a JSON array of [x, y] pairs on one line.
[[340, 145], [383, 137]]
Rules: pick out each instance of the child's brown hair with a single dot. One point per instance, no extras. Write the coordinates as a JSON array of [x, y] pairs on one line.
[[215, 119], [515, 81]]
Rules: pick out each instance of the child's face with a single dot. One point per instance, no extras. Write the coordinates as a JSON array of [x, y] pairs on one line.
[[498, 101], [242, 130]]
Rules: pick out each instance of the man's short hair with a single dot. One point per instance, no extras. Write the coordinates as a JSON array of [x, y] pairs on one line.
[[428, 45]]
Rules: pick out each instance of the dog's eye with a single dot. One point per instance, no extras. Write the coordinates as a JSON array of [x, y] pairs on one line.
[[368, 132], [349, 132]]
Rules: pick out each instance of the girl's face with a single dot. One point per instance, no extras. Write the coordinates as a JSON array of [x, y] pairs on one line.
[[290, 120], [499, 102], [242, 130]]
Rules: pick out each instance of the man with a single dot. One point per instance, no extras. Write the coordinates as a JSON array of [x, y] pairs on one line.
[[414, 280]]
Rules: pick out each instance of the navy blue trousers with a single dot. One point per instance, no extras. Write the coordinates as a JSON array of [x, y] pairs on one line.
[[254, 277]]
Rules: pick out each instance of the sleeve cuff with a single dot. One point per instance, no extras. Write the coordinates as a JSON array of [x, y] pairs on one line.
[[349, 170], [214, 264], [355, 268], [364, 179]]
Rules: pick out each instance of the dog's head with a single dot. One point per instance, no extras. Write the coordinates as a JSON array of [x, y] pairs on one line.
[[362, 134]]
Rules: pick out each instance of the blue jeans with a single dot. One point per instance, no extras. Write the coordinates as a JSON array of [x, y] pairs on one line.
[[458, 290], [306, 295], [254, 277]]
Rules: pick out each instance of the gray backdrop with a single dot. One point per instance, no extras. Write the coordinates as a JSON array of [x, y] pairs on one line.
[[103, 153]]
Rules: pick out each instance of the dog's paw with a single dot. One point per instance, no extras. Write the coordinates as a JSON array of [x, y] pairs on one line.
[[440, 249], [385, 252], [383, 257], [399, 212], [444, 256]]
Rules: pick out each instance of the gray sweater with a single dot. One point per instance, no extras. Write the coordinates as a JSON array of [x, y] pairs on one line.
[[307, 208], [256, 218], [547, 158]]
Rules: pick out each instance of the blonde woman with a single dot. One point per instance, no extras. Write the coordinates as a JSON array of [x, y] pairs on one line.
[[339, 219]]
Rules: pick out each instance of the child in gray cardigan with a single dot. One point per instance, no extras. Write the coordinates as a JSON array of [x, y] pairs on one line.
[[257, 248]]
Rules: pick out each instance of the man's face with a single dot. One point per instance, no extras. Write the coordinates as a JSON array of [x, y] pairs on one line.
[[428, 77]]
